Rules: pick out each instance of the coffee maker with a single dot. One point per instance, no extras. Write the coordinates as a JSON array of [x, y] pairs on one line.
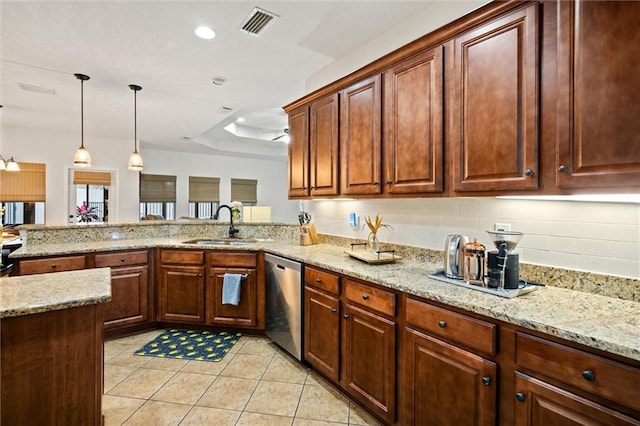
[[503, 264]]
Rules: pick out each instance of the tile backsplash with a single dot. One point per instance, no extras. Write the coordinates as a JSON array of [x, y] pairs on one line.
[[601, 238]]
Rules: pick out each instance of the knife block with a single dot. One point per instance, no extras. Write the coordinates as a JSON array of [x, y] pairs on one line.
[[308, 235]]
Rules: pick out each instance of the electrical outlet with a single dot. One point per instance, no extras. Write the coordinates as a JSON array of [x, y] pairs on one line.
[[502, 227]]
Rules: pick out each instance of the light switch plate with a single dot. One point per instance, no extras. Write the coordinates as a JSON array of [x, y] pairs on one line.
[[354, 220]]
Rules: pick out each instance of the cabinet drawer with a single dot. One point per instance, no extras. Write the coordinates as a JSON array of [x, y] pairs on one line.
[[322, 280], [583, 370], [458, 328], [376, 299], [182, 257], [122, 259], [249, 260], [52, 264]]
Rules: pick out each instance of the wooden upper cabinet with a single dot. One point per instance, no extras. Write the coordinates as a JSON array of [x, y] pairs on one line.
[[299, 152], [323, 146], [413, 115], [360, 138], [494, 104], [599, 94]]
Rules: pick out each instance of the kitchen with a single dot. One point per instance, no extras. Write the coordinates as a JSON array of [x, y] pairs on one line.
[[551, 239]]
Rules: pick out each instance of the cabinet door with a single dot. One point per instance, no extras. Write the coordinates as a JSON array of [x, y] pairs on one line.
[[446, 385], [129, 297], [494, 107], [599, 94], [323, 144], [299, 152], [181, 294], [413, 121], [360, 146], [369, 360], [243, 315], [540, 404], [322, 332]]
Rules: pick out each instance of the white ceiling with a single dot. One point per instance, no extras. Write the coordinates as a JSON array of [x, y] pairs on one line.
[[152, 44]]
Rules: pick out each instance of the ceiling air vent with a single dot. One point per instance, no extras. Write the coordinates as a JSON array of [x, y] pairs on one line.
[[257, 21]]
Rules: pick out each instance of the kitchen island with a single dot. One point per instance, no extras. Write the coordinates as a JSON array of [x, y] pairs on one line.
[[51, 358]]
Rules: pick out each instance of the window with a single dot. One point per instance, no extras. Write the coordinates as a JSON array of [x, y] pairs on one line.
[[23, 194], [157, 196], [245, 191], [92, 189], [204, 196]]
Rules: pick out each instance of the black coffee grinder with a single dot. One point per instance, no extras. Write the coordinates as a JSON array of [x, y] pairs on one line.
[[503, 264]]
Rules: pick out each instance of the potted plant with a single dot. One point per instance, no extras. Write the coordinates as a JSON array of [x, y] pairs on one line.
[[374, 226]]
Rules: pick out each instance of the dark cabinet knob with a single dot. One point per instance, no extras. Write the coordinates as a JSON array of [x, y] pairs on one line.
[[589, 376], [486, 380], [318, 280], [334, 310], [562, 168], [122, 259], [442, 324], [520, 396], [529, 172], [199, 275], [365, 296], [211, 276], [389, 181], [376, 183], [346, 316], [53, 265]]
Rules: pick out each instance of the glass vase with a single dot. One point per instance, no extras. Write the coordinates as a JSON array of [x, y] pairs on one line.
[[374, 243]]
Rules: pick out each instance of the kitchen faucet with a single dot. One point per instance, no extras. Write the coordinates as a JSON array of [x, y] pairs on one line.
[[232, 231]]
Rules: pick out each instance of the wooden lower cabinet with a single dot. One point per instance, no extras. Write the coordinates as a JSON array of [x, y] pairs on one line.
[[51, 264], [243, 315], [322, 332], [129, 303], [369, 361], [539, 403], [181, 294], [447, 385]]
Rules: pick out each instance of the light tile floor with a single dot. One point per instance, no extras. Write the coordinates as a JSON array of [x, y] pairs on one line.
[[256, 383]]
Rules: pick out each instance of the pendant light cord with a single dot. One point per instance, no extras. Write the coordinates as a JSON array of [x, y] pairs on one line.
[[135, 121], [82, 113]]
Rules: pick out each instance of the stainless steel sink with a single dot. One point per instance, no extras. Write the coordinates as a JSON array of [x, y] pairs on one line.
[[221, 242]]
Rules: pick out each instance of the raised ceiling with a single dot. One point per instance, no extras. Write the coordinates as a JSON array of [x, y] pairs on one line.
[[152, 43]]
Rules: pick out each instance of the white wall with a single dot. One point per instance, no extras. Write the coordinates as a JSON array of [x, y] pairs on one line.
[[56, 151], [588, 236]]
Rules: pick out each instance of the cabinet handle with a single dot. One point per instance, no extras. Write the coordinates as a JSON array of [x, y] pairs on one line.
[[442, 324], [365, 296], [318, 280], [211, 276], [376, 183], [389, 181], [122, 259], [589, 376], [520, 396], [562, 168], [53, 265], [486, 380], [346, 316], [528, 172], [199, 275], [334, 310]]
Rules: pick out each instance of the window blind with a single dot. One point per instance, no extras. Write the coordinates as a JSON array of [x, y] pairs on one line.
[[244, 190], [86, 177], [157, 188], [204, 189], [27, 185]]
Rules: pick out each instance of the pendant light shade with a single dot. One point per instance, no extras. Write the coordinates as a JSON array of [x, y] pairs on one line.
[[10, 165], [82, 157], [135, 159]]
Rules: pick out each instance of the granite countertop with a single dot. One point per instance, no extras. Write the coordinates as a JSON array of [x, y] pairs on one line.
[[605, 323], [32, 294]]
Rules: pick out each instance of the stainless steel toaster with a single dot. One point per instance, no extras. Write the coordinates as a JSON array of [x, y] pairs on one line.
[[454, 256]]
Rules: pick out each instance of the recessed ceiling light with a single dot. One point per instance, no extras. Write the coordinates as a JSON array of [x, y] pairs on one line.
[[205, 32]]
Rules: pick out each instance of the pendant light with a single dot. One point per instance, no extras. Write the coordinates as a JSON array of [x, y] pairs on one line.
[[135, 160], [82, 157]]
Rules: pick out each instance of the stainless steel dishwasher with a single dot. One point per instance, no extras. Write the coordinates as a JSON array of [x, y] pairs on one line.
[[284, 304]]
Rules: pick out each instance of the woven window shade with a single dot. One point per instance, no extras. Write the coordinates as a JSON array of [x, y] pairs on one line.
[[244, 190], [86, 177], [157, 188], [204, 189], [27, 185]]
